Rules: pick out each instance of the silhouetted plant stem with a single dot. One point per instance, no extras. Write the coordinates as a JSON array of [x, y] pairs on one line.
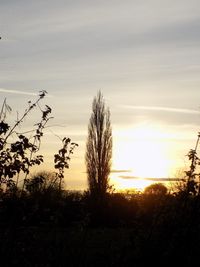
[[14, 157], [191, 175], [193, 163], [41, 96], [62, 159], [37, 140], [3, 113]]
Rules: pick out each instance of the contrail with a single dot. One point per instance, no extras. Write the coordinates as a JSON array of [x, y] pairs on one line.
[[167, 109], [2, 90]]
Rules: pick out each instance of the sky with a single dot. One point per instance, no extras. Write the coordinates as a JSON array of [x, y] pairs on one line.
[[143, 55]]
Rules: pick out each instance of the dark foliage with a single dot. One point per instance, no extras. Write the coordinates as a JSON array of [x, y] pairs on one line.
[[19, 155], [62, 158], [44, 228]]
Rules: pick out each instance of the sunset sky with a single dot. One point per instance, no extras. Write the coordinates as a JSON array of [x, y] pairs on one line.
[[143, 55]]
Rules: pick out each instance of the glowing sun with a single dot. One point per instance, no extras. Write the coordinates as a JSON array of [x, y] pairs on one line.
[[139, 153]]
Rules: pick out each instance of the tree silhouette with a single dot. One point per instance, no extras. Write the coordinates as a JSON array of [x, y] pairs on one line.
[[99, 147], [156, 189]]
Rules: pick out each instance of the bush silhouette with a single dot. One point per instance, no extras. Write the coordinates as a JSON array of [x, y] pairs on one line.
[[156, 189]]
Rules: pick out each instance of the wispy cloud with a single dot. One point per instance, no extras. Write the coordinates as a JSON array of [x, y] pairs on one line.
[[19, 92], [150, 179], [127, 177], [165, 109], [120, 171], [3, 90], [163, 179]]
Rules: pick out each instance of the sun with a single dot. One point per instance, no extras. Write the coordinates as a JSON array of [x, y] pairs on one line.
[[139, 152]]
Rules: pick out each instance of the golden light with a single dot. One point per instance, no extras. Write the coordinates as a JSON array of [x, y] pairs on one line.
[[139, 153]]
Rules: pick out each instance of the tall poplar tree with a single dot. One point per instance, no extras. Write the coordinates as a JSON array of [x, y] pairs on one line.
[[99, 147]]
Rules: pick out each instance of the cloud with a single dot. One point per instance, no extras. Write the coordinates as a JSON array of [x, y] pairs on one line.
[[2, 90], [120, 171], [165, 109], [19, 92], [163, 179], [151, 179], [127, 177]]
